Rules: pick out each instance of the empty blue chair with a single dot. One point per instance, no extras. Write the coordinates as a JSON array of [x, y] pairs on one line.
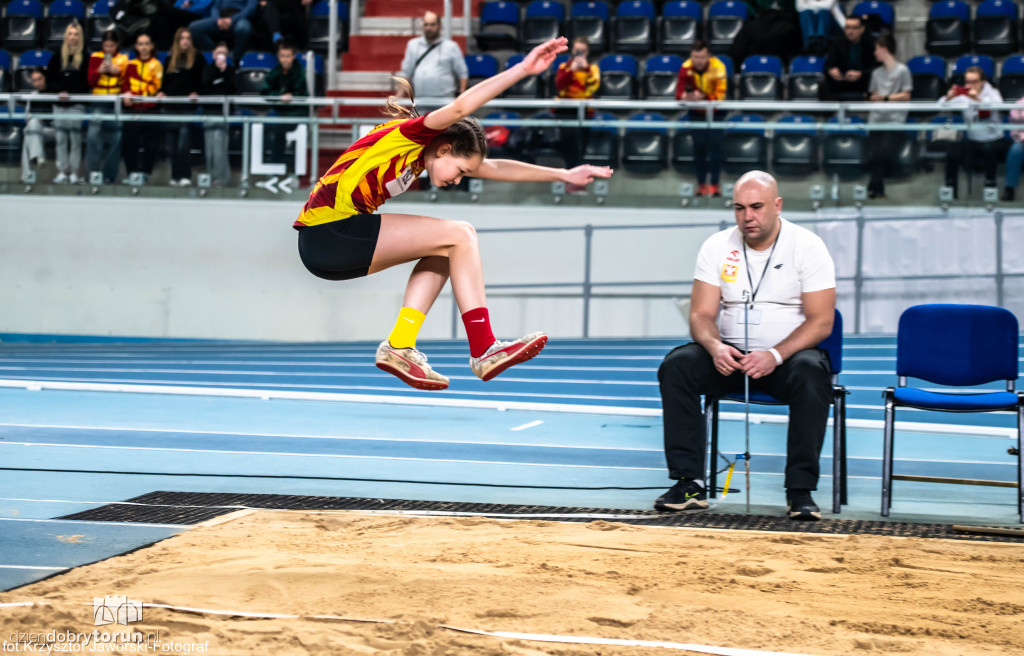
[[833, 345], [634, 27], [947, 31], [724, 22], [761, 78], [531, 86], [681, 25], [5, 71], [984, 62], [661, 74], [618, 77], [602, 142], [843, 150], [590, 20], [795, 146], [480, 67], [1011, 78], [319, 26], [805, 75], [957, 346], [645, 149], [543, 22], [929, 76], [995, 28], [21, 25], [499, 26], [252, 72], [744, 145]]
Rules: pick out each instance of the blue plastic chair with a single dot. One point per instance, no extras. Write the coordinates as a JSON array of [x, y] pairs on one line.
[[883, 10], [929, 75], [480, 67], [833, 345], [1011, 78], [994, 30], [661, 73], [499, 26], [761, 78], [34, 59], [963, 63], [957, 346], [322, 9], [31, 8], [258, 60], [947, 31]]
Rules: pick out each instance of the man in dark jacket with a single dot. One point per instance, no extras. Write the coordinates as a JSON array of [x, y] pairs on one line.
[[849, 63]]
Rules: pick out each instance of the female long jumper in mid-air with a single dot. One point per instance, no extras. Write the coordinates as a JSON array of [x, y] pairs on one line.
[[340, 236]]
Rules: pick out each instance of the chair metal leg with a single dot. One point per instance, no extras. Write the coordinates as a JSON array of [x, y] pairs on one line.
[[887, 452], [711, 414]]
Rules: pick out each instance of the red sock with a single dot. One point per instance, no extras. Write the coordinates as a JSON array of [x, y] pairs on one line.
[[478, 329]]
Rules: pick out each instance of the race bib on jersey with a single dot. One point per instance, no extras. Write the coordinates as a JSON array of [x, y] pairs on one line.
[[401, 183]]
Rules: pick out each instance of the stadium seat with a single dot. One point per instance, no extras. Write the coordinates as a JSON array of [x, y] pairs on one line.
[[833, 345], [681, 25], [5, 71], [805, 75], [545, 145], [618, 77], [725, 20], [26, 62], [319, 27], [1011, 78], [795, 147], [761, 78], [730, 74], [602, 142], [499, 26], [21, 25], [932, 152], [590, 20], [543, 22], [948, 29], [661, 73], [59, 15], [880, 15], [683, 152], [98, 22], [252, 71], [319, 83], [480, 67], [979, 345], [531, 86], [963, 63], [512, 147], [744, 146], [11, 137], [843, 152], [995, 28], [929, 76], [645, 149], [634, 27]]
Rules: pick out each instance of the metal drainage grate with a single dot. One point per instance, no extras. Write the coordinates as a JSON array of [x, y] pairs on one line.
[[195, 507]]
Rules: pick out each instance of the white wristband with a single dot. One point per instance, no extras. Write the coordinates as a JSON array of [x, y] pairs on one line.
[[778, 358]]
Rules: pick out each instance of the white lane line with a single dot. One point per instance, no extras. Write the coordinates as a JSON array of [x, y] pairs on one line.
[[339, 456], [34, 567], [538, 422]]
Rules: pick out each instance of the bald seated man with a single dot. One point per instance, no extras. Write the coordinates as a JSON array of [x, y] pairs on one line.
[[791, 281], [434, 65]]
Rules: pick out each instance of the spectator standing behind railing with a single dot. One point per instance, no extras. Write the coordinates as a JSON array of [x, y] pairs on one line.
[[183, 77], [703, 77], [68, 73], [433, 65], [143, 77], [576, 79], [890, 82], [1014, 156], [218, 80], [228, 19], [285, 81], [103, 140], [850, 60], [984, 133], [33, 153]]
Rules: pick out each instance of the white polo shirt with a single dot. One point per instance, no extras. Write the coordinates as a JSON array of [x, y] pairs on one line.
[[799, 263]]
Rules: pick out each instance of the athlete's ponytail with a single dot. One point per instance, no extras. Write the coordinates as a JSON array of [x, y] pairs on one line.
[[395, 109]]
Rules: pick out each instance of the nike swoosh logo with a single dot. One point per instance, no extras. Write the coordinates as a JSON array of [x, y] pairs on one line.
[[476, 321], [408, 319]]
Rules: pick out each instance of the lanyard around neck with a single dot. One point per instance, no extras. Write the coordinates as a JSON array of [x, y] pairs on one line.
[[754, 290]]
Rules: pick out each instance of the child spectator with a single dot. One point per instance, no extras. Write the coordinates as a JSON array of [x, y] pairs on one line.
[[32, 152], [218, 80], [143, 78], [103, 140]]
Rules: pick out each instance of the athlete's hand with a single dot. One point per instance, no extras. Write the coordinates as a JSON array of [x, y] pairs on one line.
[[585, 174], [540, 58], [758, 364], [727, 359]]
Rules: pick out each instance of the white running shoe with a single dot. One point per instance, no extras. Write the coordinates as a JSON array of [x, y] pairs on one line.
[[502, 355], [410, 366], [62, 178]]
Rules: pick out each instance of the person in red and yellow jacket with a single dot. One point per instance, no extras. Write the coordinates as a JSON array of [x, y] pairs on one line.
[[576, 79], [103, 140], [703, 77], [143, 77]]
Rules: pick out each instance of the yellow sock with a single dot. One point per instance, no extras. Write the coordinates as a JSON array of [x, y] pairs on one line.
[[406, 328]]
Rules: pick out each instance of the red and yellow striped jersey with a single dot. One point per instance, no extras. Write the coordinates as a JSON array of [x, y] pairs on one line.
[[382, 164]]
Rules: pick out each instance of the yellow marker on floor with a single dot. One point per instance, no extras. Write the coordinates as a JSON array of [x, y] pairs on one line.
[[728, 477]]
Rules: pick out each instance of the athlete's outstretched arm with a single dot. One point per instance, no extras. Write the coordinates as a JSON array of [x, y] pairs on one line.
[[511, 170], [536, 62]]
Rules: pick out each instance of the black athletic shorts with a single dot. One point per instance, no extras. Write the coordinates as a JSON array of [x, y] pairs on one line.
[[340, 250]]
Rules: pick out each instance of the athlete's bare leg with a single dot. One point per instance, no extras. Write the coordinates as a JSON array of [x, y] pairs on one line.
[[404, 238]]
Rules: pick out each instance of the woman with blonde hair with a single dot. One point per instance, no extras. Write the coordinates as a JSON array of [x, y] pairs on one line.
[[66, 74], [183, 76]]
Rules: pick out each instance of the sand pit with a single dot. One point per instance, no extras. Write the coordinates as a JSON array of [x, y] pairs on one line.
[[805, 594]]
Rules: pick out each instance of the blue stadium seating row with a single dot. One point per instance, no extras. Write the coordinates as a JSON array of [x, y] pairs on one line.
[[951, 31], [761, 77]]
